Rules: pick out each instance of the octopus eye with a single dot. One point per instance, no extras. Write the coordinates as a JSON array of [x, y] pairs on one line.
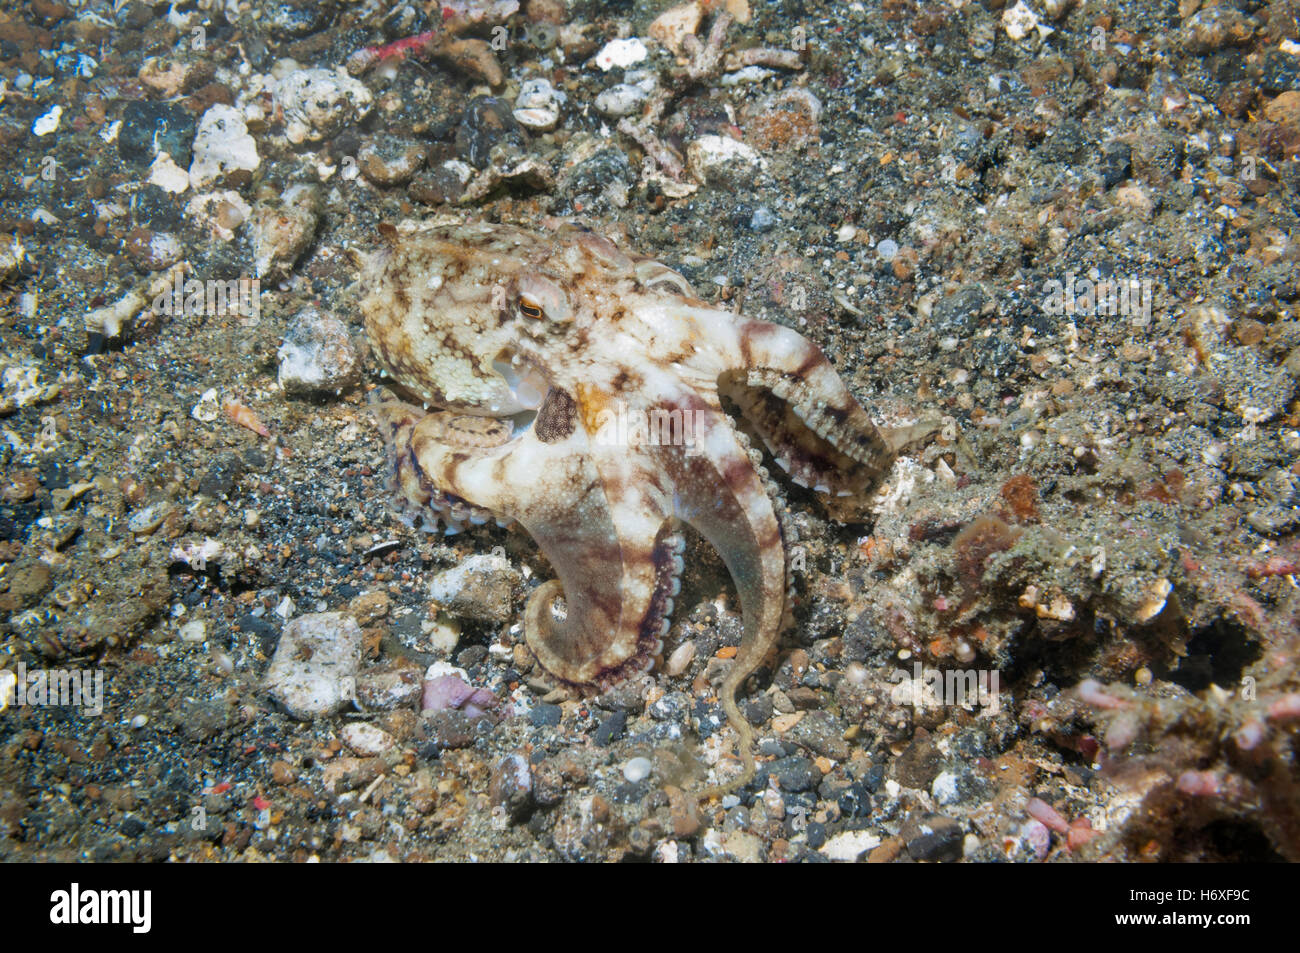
[[538, 297]]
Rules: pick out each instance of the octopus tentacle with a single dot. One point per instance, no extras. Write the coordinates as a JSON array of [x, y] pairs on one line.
[[791, 394], [609, 632], [418, 501], [618, 558], [722, 494]]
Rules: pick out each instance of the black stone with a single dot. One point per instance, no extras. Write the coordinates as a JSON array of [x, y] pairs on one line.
[[544, 715], [471, 656], [149, 128], [795, 774], [757, 710], [816, 835], [934, 837], [1281, 73], [487, 123], [855, 800], [267, 635], [1115, 164], [298, 18], [611, 729], [1065, 141], [221, 476], [959, 312], [155, 208]]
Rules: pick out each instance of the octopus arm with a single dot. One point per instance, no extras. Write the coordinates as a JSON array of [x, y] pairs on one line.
[[722, 494], [618, 584], [617, 556], [791, 396]]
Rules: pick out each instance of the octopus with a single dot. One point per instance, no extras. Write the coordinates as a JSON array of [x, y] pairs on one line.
[[589, 395]]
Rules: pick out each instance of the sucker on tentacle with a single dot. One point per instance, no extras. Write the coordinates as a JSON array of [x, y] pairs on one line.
[[581, 394]]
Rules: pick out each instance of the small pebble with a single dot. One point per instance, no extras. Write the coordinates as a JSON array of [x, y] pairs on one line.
[[317, 354], [221, 147], [637, 769], [621, 53], [621, 100], [315, 664], [283, 228], [390, 160], [538, 104], [318, 103]]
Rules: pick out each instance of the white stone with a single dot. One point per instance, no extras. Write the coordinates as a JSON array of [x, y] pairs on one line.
[[538, 105], [20, 387], [637, 769], [317, 354], [944, 788], [850, 845], [707, 153], [208, 407], [12, 255], [1019, 21], [317, 103], [681, 659], [315, 665], [167, 175], [221, 145], [222, 212], [365, 739], [110, 319], [621, 100], [442, 631], [478, 587], [675, 24], [748, 74], [194, 631], [439, 669], [282, 229], [621, 53], [47, 123]]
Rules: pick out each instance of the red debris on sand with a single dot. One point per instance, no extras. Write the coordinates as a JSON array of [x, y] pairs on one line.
[[1274, 566], [1091, 691], [1199, 783], [1080, 833], [1047, 815], [1285, 708], [420, 42]]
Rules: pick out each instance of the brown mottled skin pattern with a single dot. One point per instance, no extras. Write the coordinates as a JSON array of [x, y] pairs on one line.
[[489, 323]]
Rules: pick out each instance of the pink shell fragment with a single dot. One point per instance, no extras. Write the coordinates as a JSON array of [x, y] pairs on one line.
[[448, 692], [1047, 815]]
